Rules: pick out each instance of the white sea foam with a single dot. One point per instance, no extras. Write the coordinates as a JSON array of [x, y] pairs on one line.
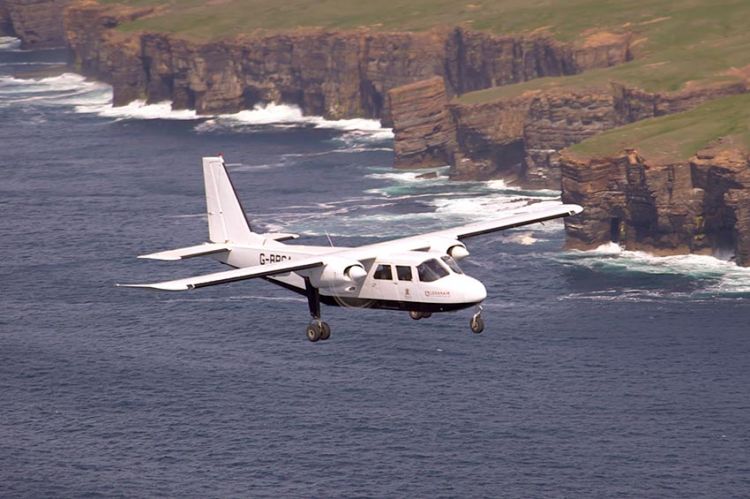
[[9, 43], [722, 276], [139, 110], [409, 176], [66, 89], [92, 97], [283, 115]]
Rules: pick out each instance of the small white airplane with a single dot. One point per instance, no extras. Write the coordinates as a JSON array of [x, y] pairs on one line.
[[418, 274]]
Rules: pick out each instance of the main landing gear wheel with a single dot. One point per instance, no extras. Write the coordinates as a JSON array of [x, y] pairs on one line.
[[325, 331], [318, 330], [313, 332], [476, 323]]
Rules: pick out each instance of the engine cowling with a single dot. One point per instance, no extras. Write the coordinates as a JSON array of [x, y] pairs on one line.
[[338, 272], [450, 247]]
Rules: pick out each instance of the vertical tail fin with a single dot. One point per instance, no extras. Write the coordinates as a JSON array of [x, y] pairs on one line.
[[226, 218]]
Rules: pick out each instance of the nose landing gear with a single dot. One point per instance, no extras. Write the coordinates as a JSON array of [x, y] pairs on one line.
[[476, 323], [419, 315]]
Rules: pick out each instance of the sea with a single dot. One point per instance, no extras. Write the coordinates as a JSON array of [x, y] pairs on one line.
[[604, 373]]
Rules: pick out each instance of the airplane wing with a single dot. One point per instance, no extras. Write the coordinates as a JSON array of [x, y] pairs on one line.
[[231, 275], [516, 218]]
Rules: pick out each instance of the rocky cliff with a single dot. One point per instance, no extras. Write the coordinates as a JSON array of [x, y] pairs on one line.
[[6, 24], [520, 137], [699, 206], [337, 74], [38, 23]]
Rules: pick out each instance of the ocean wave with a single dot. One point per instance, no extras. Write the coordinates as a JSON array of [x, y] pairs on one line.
[[283, 115], [90, 97], [721, 276], [67, 89], [9, 43], [411, 176], [139, 110]]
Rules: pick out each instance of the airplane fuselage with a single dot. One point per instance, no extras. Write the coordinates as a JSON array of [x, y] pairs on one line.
[[413, 280]]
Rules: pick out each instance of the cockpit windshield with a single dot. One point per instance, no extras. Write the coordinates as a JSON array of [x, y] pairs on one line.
[[431, 270], [451, 262]]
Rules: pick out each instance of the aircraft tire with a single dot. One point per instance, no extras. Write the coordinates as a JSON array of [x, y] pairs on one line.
[[325, 331], [415, 315], [477, 324], [426, 315], [313, 332]]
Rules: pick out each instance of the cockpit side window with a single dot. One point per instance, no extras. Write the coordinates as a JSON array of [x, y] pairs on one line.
[[403, 273], [451, 262], [384, 272], [431, 270]]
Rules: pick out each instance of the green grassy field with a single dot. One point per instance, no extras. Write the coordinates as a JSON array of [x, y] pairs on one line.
[[677, 43], [676, 137]]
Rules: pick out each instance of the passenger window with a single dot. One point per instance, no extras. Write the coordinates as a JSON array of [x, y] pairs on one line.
[[383, 272], [403, 273], [431, 270]]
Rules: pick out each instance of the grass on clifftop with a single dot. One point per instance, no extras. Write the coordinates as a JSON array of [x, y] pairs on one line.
[[675, 41], [675, 137], [566, 19]]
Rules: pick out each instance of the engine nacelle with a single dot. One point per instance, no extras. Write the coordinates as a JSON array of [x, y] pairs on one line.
[[450, 247], [338, 272]]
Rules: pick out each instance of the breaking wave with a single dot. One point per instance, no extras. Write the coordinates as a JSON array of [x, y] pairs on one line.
[[91, 97], [720, 276], [286, 116], [67, 89], [138, 110], [9, 43]]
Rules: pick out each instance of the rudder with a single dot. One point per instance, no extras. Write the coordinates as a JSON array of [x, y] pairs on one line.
[[227, 222]]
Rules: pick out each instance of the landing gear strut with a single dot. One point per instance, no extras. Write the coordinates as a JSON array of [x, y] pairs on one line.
[[476, 323], [317, 329]]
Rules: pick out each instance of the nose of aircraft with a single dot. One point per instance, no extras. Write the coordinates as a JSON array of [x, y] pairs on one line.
[[474, 291]]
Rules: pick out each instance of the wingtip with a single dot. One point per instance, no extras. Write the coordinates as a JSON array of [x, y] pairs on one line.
[[574, 209], [158, 286]]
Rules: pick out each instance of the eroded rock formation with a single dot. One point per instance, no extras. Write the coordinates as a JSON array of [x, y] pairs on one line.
[[337, 74], [38, 23], [699, 206], [520, 137], [6, 24]]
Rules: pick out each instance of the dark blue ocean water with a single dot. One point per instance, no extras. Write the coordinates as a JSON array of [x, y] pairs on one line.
[[600, 374]]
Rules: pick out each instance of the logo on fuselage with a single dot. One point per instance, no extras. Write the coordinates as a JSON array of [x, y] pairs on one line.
[[429, 293], [273, 258]]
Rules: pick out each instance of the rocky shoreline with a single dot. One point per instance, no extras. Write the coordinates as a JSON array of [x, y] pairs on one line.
[[697, 206], [412, 81]]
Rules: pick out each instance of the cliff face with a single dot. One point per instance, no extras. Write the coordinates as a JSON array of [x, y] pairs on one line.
[[337, 74], [425, 128], [38, 23], [699, 206], [6, 24], [520, 138]]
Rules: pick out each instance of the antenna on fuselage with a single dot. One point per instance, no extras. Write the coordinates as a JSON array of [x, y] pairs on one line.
[[329, 239]]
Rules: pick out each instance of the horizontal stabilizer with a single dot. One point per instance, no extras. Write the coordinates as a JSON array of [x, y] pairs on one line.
[[189, 252], [231, 275]]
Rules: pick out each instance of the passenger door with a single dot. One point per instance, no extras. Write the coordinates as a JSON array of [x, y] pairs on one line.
[[381, 285], [406, 283]]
